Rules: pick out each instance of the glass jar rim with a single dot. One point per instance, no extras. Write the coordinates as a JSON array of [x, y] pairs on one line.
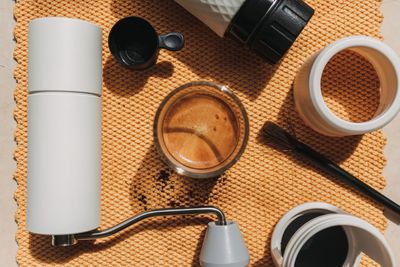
[[214, 171]]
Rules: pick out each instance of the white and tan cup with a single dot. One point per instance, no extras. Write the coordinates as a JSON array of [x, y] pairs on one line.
[[310, 103]]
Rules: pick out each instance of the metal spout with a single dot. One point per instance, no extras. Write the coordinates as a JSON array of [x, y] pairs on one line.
[[63, 240]]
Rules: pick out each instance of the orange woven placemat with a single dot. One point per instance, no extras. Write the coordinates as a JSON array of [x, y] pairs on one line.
[[256, 192]]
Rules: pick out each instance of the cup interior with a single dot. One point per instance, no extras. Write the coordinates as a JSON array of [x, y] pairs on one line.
[[351, 87], [386, 72], [133, 41], [201, 129], [328, 247]]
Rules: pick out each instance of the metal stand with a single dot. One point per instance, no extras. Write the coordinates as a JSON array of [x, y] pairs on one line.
[[72, 239]]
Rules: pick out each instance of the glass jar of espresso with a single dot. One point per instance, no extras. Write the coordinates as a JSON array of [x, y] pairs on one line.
[[201, 129]]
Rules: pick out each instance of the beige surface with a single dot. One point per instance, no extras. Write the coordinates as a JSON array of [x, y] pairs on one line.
[[8, 227], [391, 31], [7, 186]]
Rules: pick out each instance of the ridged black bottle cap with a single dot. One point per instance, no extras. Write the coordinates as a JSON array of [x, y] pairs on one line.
[[270, 27]]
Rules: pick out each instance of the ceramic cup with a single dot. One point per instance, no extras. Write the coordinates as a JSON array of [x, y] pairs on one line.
[[310, 103]]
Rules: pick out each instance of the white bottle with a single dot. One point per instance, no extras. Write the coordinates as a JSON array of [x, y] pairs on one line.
[[64, 126], [267, 27]]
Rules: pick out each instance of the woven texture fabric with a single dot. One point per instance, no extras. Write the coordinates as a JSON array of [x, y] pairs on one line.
[[255, 192]]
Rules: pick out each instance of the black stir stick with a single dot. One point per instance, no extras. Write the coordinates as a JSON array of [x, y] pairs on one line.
[[280, 137]]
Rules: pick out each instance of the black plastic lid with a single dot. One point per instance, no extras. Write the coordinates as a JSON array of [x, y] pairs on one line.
[[270, 27]]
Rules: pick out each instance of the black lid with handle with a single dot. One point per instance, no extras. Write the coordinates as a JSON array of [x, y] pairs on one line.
[[270, 27]]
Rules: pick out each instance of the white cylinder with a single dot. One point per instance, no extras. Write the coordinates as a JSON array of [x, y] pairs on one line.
[[64, 126], [216, 14], [64, 55], [310, 103]]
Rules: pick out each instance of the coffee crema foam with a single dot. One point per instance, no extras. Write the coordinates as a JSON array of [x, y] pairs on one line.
[[200, 130]]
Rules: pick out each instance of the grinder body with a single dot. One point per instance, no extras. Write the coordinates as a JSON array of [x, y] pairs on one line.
[[64, 126]]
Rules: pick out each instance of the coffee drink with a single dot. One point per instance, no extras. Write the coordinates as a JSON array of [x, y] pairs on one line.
[[201, 129]]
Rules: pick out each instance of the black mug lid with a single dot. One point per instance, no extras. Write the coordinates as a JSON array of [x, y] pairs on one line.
[[270, 27]]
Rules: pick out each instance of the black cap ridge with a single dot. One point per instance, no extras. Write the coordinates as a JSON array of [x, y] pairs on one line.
[[270, 27]]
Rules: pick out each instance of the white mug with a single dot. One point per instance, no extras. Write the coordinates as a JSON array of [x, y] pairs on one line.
[[310, 103]]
